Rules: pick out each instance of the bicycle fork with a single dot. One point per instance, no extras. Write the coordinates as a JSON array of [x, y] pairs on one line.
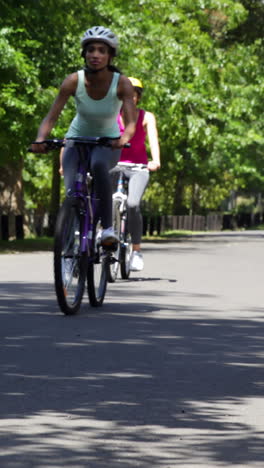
[[87, 216]]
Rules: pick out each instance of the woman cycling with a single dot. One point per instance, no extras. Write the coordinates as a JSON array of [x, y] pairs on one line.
[[99, 91], [138, 179]]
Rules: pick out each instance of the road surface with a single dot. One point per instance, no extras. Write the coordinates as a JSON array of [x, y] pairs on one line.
[[168, 373]]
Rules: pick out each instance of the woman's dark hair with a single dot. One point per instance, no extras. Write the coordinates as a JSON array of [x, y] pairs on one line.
[[114, 69], [138, 90]]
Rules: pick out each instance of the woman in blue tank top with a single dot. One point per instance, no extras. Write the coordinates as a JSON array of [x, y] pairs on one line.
[[99, 91]]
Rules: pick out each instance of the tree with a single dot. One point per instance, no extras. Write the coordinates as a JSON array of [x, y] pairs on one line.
[[32, 63], [202, 66]]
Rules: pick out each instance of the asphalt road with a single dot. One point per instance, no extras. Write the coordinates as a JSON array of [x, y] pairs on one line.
[[168, 373]]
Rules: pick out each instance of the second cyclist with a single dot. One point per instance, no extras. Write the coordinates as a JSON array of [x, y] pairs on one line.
[[138, 178]]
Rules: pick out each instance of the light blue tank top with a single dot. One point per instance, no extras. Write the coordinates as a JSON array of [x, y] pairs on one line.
[[95, 118]]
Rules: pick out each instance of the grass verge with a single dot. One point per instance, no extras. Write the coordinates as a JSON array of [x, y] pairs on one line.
[[171, 235], [46, 243], [27, 245], [38, 244]]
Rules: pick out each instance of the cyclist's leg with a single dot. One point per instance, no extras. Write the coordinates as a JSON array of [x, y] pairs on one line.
[[102, 160], [138, 182], [137, 185], [70, 166]]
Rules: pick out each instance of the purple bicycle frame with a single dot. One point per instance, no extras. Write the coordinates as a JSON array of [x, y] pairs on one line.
[[83, 190]]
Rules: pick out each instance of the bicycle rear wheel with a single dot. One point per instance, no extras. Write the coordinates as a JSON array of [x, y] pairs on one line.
[[115, 259], [69, 262], [125, 254], [97, 270]]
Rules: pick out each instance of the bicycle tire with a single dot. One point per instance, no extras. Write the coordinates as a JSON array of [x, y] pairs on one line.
[[115, 259], [125, 253], [69, 285], [97, 270]]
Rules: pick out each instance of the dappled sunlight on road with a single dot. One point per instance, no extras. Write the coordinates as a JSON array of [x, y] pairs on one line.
[[168, 373]]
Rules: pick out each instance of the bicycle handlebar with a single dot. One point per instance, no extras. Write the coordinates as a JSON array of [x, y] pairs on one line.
[[127, 165], [55, 143], [51, 144]]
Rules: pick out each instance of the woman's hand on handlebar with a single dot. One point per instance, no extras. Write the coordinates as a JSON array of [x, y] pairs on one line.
[[153, 166], [120, 143], [39, 147], [44, 146]]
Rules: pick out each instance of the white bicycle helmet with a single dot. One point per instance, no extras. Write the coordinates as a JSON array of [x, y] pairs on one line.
[[100, 33]]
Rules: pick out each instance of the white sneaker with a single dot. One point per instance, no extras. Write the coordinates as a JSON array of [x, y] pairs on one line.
[[109, 237], [136, 262]]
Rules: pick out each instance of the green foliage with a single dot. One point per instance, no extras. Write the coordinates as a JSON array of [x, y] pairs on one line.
[[18, 85], [245, 205], [201, 62]]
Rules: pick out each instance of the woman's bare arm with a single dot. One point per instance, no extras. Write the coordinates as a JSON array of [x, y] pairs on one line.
[[125, 93], [152, 132], [67, 90]]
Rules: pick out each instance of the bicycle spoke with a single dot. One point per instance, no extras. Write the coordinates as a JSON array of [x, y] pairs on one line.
[[115, 260], [69, 262], [97, 271]]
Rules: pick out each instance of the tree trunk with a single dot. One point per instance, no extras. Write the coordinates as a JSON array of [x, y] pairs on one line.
[[178, 207], [55, 195], [195, 199], [11, 200]]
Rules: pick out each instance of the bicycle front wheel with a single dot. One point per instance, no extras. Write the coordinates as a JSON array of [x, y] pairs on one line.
[[97, 270], [115, 259], [69, 261], [125, 253]]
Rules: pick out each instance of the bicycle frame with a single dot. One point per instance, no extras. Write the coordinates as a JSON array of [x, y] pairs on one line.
[[83, 190], [122, 183], [89, 260], [120, 197]]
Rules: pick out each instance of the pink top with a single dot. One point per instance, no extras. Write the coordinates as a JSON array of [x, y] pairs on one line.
[[137, 152]]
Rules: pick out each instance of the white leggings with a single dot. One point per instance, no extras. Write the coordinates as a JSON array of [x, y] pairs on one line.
[[138, 181]]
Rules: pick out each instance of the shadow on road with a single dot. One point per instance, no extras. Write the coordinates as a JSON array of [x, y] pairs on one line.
[[98, 389]]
